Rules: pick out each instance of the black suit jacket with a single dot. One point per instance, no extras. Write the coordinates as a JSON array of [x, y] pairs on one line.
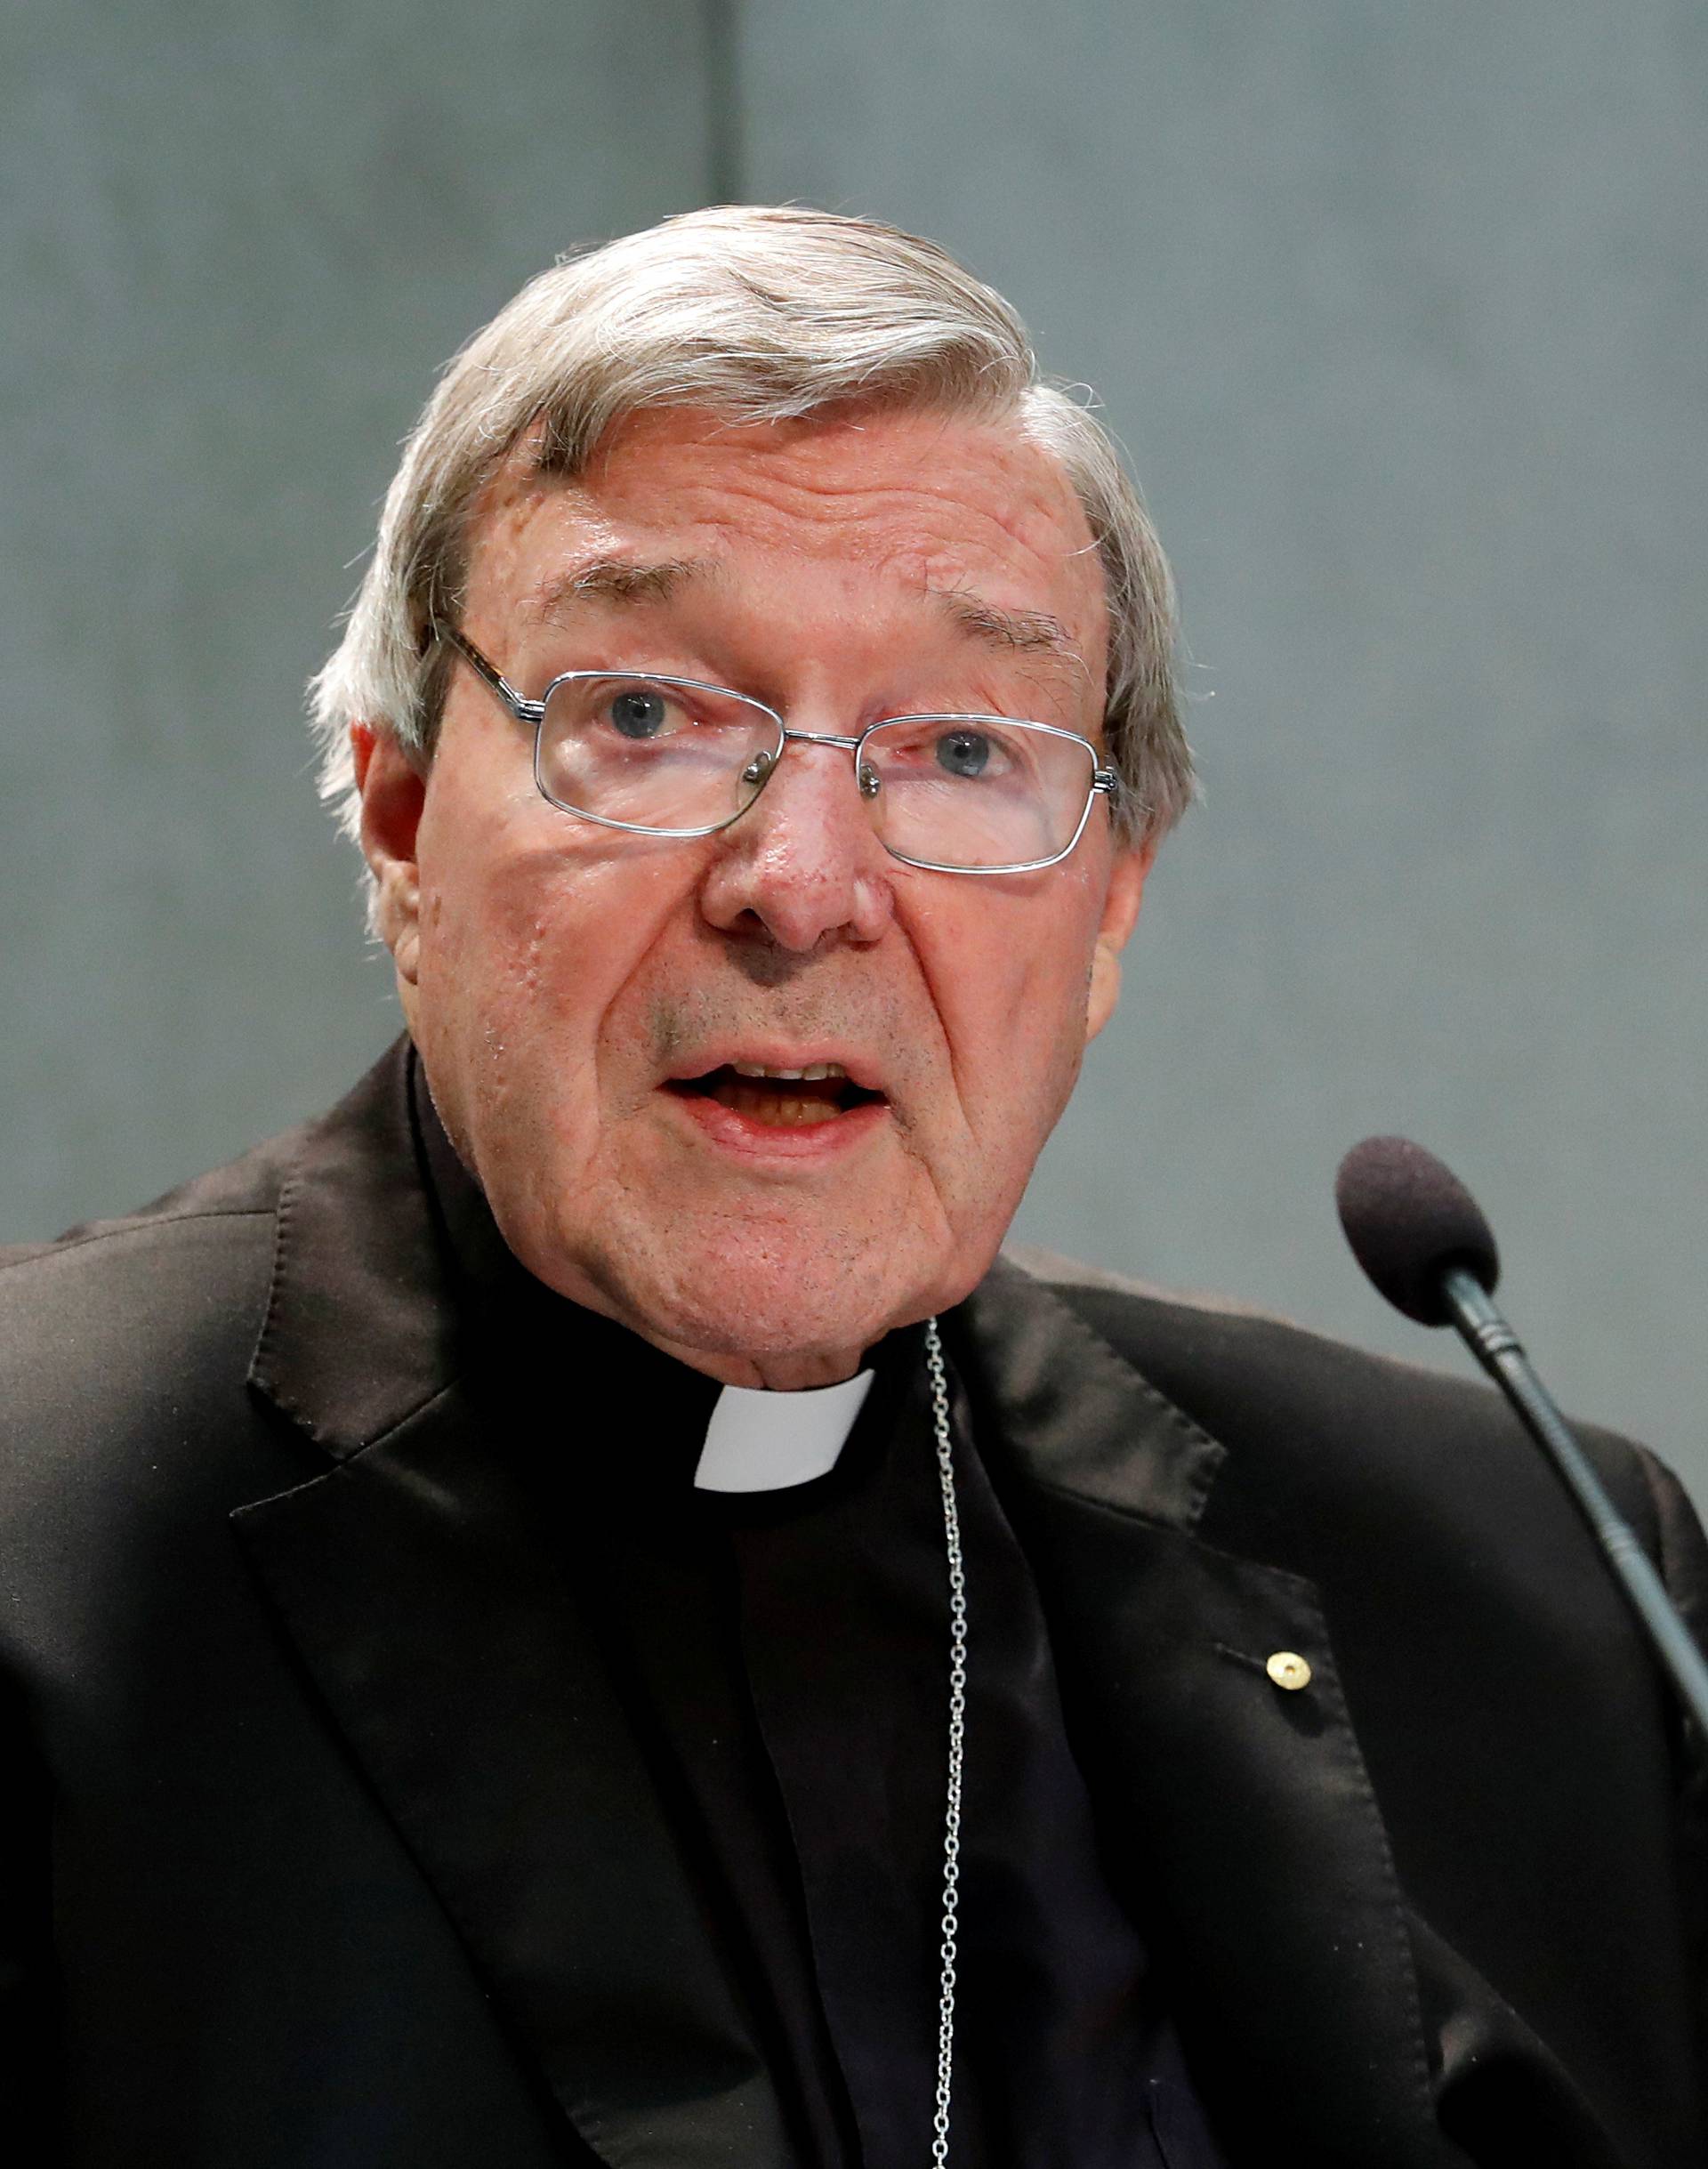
[[326, 1842]]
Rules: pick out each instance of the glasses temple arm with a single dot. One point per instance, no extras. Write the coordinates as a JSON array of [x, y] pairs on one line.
[[528, 710]]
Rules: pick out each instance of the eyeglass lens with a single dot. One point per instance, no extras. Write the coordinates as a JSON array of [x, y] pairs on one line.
[[965, 791]]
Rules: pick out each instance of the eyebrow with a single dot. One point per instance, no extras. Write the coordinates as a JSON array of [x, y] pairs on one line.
[[1023, 631], [623, 579], [618, 579]]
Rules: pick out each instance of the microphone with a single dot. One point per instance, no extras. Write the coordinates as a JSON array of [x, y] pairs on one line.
[[1421, 1237]]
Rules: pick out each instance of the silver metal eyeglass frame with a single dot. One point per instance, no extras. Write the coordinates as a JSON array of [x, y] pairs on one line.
[[1105, 781]]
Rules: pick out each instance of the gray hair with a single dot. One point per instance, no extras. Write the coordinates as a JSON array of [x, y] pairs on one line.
[[760, 314]]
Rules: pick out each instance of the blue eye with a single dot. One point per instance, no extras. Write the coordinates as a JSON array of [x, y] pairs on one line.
[[638, 712], [964, 753]]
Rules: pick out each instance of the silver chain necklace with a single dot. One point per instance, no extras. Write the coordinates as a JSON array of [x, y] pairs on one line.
[[957, 1736]]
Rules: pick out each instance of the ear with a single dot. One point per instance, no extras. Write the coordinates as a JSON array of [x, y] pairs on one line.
[[1121, 904], [393, 790]]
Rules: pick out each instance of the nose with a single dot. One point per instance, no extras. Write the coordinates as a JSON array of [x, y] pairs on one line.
[[803, 863]]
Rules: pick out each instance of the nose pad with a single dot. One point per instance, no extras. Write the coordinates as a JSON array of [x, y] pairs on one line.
[[802, 862], [764, 767]]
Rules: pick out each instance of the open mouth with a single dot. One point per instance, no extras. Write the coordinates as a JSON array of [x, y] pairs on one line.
[[779, 1099]]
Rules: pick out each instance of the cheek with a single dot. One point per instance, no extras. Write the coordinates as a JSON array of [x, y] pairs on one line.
[[485, 951], [531, 942], [1051, 1025], [1010, 984], [1024, 1010]]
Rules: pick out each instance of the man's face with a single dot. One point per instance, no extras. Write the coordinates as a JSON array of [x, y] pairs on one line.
[[582, 997]]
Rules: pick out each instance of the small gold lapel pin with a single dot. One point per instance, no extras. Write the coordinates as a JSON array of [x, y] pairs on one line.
[[1288, 1670]]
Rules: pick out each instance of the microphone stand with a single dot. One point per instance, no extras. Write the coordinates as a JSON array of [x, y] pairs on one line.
[[1497, 1348]]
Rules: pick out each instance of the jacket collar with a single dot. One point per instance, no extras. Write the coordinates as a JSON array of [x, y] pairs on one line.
[[359, 1331]]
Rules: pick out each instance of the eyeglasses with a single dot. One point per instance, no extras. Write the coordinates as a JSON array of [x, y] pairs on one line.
[[664, 756]]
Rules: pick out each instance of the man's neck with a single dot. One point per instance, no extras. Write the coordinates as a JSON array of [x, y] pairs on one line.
[[797, 1371]]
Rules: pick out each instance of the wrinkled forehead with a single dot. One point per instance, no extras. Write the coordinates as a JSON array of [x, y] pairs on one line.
[[908, 504]]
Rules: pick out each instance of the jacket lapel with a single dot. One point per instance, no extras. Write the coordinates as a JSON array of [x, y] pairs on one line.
[[432, 1605], [1240, 1813]]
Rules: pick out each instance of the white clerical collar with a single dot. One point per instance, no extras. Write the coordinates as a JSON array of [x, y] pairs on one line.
[[759, 1441]]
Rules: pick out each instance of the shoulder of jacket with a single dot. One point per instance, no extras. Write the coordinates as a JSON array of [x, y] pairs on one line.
[[246, 1186], [120, 1317], [1146, 1320], [1314, 1411]]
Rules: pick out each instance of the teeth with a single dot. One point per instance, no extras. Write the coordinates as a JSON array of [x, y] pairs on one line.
[[774, 1108], [812, 1069]]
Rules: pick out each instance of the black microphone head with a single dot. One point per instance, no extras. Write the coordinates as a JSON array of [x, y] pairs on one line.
[[1408, 1219]]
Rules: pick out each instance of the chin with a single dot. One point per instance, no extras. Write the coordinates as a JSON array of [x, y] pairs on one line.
[[768, 1299]]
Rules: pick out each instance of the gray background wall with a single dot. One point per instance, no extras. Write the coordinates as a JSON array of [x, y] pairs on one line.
[[1401, 311]]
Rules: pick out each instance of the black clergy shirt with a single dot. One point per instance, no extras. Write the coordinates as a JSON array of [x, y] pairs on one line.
[[782, 1658]]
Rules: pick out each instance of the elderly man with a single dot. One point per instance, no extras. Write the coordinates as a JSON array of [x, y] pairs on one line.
[[574, 1610]]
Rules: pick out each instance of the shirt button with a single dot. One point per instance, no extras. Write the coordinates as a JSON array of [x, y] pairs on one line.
[[1288, 1670]]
